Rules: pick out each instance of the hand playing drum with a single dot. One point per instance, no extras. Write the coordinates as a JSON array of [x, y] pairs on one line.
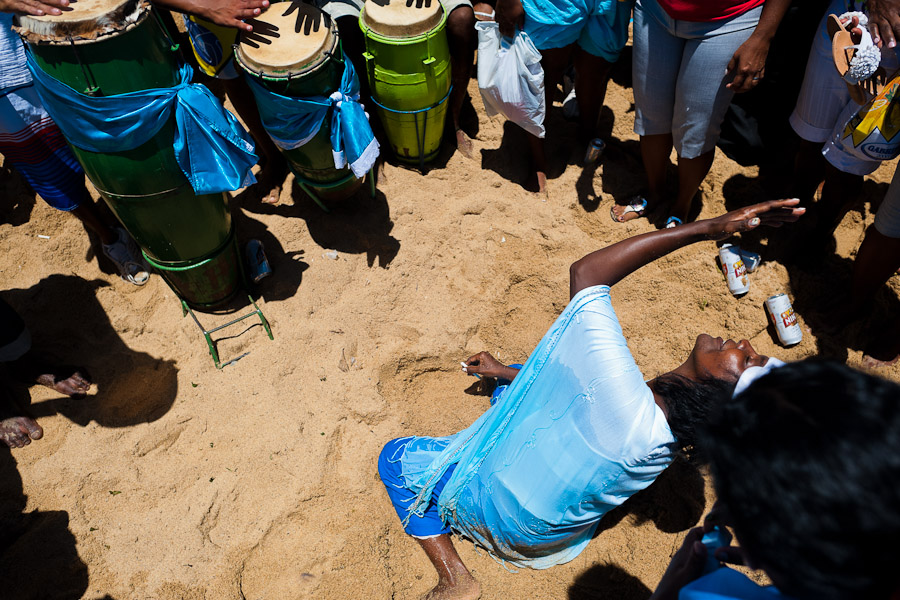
[[37, 8]]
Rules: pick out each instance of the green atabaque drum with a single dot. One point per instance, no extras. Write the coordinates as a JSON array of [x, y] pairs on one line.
[[301, 65], [208, 281], [408, 67], [107, 47]]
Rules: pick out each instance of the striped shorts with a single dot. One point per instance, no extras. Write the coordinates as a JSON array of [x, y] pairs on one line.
[[32, 143]]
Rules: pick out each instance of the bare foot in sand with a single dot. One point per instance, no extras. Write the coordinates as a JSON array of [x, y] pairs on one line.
[[17, 432], [883, 349], [75, 385], [463, 588], [464, 144], [271, 176]]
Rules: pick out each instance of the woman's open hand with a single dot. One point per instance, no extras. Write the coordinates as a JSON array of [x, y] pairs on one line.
[[773, 213]]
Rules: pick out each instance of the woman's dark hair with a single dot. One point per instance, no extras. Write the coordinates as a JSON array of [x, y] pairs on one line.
[[688, 403], [807, 461]]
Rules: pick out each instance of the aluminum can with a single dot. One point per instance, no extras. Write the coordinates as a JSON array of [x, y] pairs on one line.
[[751, 259], [784, 319], [257, 263], [594, 151], [734, 270]]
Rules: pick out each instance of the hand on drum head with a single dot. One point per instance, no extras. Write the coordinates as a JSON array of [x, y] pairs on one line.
[[409, 3], [34, 7], [259, 34], [309, 18]]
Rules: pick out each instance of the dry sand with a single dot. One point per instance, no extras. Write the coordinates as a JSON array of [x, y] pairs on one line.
[[175, 480]]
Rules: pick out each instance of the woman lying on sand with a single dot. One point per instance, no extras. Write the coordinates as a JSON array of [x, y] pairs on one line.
[[578, 431]]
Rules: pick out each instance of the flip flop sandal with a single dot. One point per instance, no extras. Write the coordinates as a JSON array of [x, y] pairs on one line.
[[673, 222], [856, 63], [638, 206]]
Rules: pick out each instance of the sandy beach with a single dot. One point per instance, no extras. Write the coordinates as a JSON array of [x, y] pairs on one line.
[[173, 480]]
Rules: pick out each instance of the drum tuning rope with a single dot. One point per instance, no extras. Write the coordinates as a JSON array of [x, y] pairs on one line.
[[93, 89]]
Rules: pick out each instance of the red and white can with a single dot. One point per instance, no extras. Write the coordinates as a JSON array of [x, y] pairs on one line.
[[734, 270], [784, 319]]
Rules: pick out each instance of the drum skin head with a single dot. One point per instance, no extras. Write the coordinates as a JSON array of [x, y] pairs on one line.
[[87, 20], [397, 20], [292, 52]]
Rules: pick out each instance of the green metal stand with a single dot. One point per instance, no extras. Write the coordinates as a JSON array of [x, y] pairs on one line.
[[307, 186], [186, 310]]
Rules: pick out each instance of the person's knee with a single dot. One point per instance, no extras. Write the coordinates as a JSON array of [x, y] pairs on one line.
[[389, 456], [461, 24]]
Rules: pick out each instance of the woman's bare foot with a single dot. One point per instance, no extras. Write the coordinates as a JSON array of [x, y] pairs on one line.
[[465, 587], [883, 349], [17, 432], [75, 385], [272, 172], [464, 144]]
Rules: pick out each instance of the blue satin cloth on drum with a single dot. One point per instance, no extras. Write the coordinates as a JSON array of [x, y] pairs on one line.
[[292, 122], [211, 147], [576, 433]]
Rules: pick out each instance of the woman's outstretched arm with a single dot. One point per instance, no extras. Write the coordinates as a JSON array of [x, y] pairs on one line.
[[610, 265]]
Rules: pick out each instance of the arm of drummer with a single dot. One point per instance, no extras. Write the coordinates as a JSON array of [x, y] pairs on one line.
[[610, 265], [227, 13], [37, 8]]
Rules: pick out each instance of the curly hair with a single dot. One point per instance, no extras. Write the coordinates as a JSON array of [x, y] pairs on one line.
[[688, 405], [807, 460]]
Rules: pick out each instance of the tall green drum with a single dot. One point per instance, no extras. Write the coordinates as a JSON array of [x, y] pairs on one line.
[[300, 65], [408, 67], [107, 47]]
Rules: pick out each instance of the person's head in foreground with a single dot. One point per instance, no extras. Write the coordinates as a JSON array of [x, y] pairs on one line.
[[806, 464]]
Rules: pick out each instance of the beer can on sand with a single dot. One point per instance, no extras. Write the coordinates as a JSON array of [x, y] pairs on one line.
[[784, 319], [257, 263], [594, 151], [751, 259], [734, 270]]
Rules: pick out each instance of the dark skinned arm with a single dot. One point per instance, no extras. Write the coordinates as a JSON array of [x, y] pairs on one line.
[[610, 265], [227, 13]]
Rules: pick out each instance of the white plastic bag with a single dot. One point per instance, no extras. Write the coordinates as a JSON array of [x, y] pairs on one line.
[[510, 77]]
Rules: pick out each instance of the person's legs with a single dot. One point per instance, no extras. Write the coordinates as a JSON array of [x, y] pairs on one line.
[[701, 101], [691, 173], [36, 148], [15, 351], [591, 79], [461, 37], [553, 61], [809, 172], [656, 60], [454, 580], [272, 165]]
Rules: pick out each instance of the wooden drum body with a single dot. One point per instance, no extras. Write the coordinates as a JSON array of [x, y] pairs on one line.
[[301, 65], [408, 68], [110, 47]]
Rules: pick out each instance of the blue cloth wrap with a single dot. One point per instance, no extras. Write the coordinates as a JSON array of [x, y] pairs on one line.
[[429, 522], [728, 584], [211, 147], [600, 27], [292, 122]]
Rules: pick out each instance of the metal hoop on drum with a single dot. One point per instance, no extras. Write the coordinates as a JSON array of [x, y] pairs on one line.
[[420, 140]]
